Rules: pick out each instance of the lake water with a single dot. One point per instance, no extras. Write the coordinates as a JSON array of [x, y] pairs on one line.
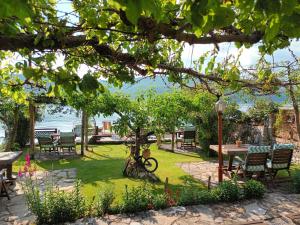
[[64, 121], [67, 121]]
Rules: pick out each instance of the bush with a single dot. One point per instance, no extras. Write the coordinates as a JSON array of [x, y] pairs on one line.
[[54, 206], [103, 203], [194, 196], [227, 191], [296, 181], [136, 199], [159, 201], [254, 189]]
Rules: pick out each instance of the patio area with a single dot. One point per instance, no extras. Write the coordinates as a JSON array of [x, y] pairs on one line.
[[15, 210]]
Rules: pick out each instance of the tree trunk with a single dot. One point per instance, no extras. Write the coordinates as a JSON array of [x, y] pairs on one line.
[[271, 128], [173, 141], [158, 141], [137, 142], [82, 132], [31, 126], [86, 132], [296, 109], [12, 130]]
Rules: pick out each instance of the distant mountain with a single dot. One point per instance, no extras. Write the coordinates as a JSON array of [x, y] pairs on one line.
[[143, 84]]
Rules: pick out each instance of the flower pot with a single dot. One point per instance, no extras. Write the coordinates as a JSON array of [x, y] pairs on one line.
[[238, 143]]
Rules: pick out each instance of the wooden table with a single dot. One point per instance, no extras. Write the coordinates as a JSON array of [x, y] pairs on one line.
[[6, 161], [231, 150]]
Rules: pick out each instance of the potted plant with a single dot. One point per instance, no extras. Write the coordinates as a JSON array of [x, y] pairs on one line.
[[238, 142]]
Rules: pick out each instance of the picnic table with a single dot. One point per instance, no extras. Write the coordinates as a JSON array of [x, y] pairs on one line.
[[231, 150], [6, 161]]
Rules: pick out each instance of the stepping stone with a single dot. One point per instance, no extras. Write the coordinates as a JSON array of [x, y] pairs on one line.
[[295, 217], [255, 208]]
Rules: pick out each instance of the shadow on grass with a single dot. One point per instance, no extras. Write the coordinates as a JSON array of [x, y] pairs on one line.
[[91, 170], [201, 154]]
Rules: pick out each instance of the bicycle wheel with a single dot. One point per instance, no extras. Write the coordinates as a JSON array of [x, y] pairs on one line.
[[150, 164]]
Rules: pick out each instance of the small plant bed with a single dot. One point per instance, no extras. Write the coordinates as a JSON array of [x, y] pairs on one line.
[[55, 206]]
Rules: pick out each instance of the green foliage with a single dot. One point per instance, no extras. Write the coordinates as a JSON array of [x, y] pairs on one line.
[[261, 110], [150, 32], [104, 201], [136, 199], [203, 114], [159, 201], [254, 189], [194, 196], [167, 111], [54, 206], [228, 191], [296, 181], [279, 122]]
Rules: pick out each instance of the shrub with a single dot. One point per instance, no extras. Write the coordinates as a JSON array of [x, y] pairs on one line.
[[194, 196], [254, 189], [103, 203], [296, 181], [159, 201], [136, 199], [227, 191], [54, 206]]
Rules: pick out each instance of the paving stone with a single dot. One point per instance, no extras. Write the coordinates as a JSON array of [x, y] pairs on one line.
[[255, 208], [135, 223], [101, 222]]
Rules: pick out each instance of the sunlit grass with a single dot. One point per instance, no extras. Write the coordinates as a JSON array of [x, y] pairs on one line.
[[104, 166]]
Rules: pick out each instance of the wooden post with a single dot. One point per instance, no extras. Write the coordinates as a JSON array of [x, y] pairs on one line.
[[209, 183], [31, 127], [166, 184], [220, 155]]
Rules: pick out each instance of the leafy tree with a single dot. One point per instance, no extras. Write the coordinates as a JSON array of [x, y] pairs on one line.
[[122, 38], [261, 110], [203, 114], [15, 120], [168, 111]]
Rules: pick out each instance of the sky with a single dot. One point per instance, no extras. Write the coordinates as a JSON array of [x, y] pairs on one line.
[[248, 57]]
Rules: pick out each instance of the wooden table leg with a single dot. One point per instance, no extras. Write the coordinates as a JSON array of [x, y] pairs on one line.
[[9, 172], [230, 162]]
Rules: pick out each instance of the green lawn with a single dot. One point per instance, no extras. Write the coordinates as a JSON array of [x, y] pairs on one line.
[[104, 167]]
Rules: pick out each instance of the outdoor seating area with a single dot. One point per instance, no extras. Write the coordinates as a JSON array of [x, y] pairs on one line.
[[62, 143], [263, 162], [186, 138]]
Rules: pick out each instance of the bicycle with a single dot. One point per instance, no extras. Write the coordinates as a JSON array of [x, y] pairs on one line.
[[136, 164]]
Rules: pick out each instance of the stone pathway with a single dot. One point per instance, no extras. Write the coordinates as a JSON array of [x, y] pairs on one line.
[[15, 211], [274, 209], [45, 156]]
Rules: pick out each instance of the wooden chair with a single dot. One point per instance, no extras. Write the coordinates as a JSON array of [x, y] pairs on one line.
[[189, 138], [255, 161], [46, 143], [281, 157], [3, 187], [67, 141]]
